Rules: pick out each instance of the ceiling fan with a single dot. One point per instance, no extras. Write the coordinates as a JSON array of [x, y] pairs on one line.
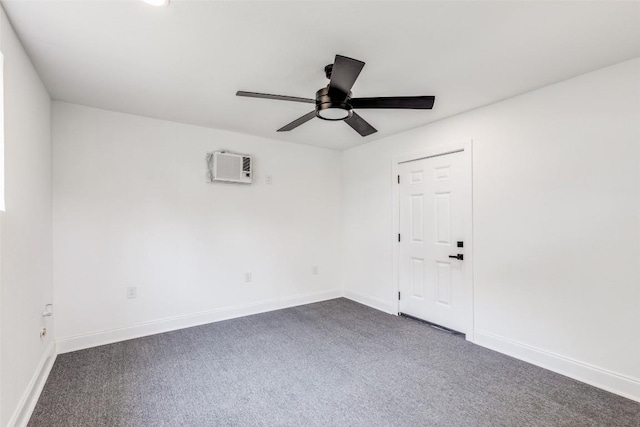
[[334, 102]]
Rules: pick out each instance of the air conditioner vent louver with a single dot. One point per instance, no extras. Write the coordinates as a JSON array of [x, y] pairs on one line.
[[229, 167]]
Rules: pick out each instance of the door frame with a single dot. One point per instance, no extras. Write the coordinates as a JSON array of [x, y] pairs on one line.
[[466, 146]]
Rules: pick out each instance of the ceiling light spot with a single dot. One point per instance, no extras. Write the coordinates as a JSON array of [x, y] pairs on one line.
[[158, 3]]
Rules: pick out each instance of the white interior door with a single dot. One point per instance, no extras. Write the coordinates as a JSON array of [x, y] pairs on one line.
[[435, 209]]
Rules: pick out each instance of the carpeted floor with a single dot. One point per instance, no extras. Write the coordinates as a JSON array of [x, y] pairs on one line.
[[334, 363]]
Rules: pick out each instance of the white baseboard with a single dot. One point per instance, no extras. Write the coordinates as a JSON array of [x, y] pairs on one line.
[[79, 342], [607, 380], [373, 302], [30, 397]]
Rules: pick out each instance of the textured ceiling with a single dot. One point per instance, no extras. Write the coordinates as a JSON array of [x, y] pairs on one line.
[[185, 62]]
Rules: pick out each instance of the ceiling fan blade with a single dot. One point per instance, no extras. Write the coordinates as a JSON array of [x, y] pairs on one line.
[[278, 97], [404, 102], [297, 122], [360, 125], [344, 73]]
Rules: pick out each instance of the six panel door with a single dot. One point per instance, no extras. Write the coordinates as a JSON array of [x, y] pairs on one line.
[[433, 205]]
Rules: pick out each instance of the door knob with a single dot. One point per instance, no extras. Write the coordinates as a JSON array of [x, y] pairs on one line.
[[459, 256]]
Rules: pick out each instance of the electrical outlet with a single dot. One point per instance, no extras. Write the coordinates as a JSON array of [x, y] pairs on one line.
[[314, 270], [247, 277], [269, 180], [132, 292]]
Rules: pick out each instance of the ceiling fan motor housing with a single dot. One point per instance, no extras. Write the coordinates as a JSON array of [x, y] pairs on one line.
[[332, 106]]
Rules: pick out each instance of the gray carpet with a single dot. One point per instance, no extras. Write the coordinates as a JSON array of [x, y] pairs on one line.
[[334, 363]]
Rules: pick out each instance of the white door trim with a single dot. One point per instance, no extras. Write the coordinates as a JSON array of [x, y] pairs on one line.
[[467, 147]]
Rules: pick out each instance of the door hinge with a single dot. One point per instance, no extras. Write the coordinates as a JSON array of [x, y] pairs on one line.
[[398, 179], [398, 296], [398, 237]]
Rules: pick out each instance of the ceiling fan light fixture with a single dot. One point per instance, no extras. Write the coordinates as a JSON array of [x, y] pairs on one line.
[[332, 108], [332, 113], [157, 3]]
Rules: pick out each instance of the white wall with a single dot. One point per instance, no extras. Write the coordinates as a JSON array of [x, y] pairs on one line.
[[132, 208], [25, 278], [556, 176]]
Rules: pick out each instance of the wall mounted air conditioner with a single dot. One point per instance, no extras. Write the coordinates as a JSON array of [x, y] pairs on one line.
[[229, 167]]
